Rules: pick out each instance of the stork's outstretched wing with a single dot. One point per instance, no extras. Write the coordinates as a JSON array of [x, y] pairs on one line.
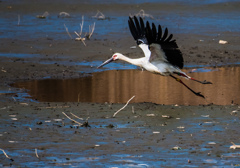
[[151, 35]]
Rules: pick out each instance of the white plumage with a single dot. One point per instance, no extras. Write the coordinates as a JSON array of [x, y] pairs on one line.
[[161, 53]]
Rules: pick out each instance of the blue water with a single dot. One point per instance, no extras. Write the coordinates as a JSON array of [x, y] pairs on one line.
[[198, 17]]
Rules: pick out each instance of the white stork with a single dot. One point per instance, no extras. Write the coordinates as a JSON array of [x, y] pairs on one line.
[[162, 55]]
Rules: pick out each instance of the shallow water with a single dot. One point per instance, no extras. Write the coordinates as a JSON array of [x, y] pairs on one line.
[[118, 86], [200, 17]]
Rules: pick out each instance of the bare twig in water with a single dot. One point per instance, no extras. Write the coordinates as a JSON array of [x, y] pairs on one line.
[[72, 119], [78, 117], [63, 14], [67, 31], [36, 153], [91, 30], [79, 38], [6, 154], [142, 14], [99, 16], [79, 35], [122, 107]]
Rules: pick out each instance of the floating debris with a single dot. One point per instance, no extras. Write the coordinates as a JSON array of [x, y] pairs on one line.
[[43, 16], [150, 115], [12, 115], [222, 42], [57, 120], [13, 141], [181, 127], [156, 132], [234, 146], [211, 143], [234, 112], [167, 116], [176, 148], [63, 14], [26, 104]]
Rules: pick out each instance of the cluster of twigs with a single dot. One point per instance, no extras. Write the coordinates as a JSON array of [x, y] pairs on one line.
[[142, 14], [79, 34]]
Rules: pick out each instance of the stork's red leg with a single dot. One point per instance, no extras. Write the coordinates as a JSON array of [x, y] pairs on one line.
[[180, 81], [188, 77]]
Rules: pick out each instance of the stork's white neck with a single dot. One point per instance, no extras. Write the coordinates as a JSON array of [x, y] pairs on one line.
[[146, 50], [137, 61]]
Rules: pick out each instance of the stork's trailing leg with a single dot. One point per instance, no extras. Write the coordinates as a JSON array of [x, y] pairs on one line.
[[196, 93], [188, 77]]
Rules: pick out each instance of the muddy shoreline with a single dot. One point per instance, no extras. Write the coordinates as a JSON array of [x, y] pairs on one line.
[[37, 134]]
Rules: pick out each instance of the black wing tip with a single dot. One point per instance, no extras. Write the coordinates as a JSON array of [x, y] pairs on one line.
[[137, 28], [156, 34], [153, 35]]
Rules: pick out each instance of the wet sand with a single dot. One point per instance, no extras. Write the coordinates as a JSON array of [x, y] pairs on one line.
[[36, 133]]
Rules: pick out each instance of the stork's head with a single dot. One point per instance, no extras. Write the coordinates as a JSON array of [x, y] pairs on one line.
[[113, 58]]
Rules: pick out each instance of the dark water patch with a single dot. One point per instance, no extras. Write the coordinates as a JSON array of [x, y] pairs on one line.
[[118, 86]]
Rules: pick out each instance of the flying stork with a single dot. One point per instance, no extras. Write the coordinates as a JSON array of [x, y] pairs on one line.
[[162, 55]]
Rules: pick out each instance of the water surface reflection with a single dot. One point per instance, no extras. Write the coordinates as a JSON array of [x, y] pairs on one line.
[[117, 86]]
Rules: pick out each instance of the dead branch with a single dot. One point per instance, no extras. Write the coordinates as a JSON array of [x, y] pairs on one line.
[[6, 154], [91, 30], [36, 153], [142, 14], [72, 119], [99, 16], [79, 38], [68, 31], [123, 107], [78, 117], [63, 14]]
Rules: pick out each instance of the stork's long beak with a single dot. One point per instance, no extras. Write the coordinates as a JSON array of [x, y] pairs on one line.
[[106, 62]]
